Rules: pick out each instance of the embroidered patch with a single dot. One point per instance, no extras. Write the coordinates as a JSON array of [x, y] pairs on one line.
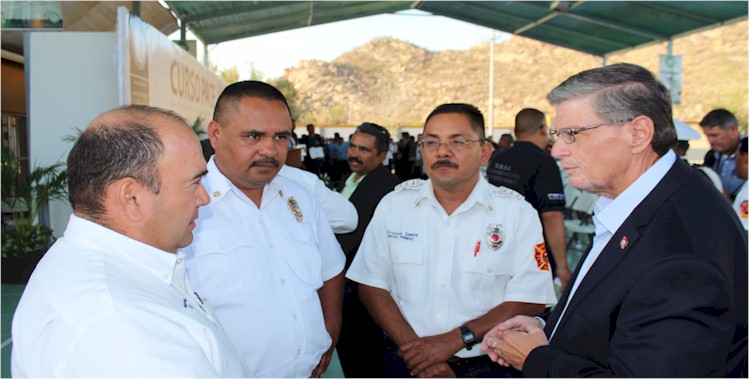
[[540, 255]]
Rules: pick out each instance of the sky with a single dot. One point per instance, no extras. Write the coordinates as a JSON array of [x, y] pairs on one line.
[[272, 53]]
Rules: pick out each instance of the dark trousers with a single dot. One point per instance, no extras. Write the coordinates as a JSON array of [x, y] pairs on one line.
[[361, 342], [480, 366]]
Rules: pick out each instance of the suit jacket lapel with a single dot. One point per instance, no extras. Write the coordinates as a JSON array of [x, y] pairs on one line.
[[622, 241]]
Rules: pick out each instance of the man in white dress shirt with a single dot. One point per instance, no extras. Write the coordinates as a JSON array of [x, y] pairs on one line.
[[264, 255], [444, 260], [110, 298]]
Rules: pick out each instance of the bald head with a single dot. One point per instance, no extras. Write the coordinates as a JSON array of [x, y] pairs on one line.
[[124, 142]]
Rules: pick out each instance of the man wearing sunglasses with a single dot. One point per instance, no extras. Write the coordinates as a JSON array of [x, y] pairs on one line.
[[662, 292], [444, 260]]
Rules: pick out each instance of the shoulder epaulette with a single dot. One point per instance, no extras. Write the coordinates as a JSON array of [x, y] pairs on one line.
[[503, 191], [412, 184]]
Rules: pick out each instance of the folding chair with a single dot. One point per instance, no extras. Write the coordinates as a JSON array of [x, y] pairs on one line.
[[580, 223]]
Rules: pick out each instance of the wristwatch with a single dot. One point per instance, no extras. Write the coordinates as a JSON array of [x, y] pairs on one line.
[[468, 337]]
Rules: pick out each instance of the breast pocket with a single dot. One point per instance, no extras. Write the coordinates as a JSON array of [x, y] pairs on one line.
[[304, 255], [484, 279], [225, 263], [409, 275]]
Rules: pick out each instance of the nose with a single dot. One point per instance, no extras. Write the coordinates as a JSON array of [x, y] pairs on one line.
[[267, 147], [203, 197], [559, 148], [442, 150]]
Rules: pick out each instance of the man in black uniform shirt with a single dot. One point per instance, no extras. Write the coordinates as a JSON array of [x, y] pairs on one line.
[[526, 168]]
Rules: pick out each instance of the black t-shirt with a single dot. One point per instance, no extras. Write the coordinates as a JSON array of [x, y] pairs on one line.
[[530, 171]]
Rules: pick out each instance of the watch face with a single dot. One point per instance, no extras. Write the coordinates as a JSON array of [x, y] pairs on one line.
[[468, 337]]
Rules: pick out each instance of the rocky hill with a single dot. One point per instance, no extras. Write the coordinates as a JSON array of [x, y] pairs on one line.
[[396, 83]]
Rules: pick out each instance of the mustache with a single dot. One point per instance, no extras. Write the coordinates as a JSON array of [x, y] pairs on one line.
[[444, 163], [266, 162], [355, 160]]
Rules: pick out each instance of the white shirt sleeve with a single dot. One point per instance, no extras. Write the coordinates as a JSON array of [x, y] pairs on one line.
[[340, 212], [530, 283], [130, 345]]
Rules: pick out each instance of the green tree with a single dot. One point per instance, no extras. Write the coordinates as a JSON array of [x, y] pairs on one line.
[[230, 75], [290, 93]]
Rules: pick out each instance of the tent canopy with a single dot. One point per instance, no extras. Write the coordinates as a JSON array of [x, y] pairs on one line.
[[595, 27]]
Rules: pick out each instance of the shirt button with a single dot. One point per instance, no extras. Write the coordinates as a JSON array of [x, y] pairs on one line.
[[489, 270], [179, 260], [271, 245], [165, 276], [294, 316], [223, 246], [283, 281], [299, 351], [440, 315], [442, 285]]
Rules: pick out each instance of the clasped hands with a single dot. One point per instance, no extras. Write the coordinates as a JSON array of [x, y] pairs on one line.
[[428, 356], [510, 342]]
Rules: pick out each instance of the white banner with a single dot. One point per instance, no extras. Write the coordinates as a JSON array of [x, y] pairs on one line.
[[152, 70]]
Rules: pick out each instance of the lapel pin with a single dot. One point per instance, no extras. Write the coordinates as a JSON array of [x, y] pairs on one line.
[[624, 242]]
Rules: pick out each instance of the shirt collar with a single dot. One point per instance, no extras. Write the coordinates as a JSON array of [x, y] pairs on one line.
[[481, 195], [218, 185], [351, 181], [161, 264], [611, 213]]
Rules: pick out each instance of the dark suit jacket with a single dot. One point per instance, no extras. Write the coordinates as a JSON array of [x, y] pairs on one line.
[[365, 198], [672, 302]]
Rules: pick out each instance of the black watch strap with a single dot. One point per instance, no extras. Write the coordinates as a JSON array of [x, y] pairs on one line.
[[468, 337]]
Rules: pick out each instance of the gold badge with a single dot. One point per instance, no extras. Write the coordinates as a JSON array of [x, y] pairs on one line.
[[294, 208]]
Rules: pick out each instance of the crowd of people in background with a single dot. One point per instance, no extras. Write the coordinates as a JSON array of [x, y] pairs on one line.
[[428, 256]]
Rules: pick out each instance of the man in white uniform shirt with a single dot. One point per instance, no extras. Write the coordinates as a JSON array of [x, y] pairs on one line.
[[264, 255], [110, 298], [446, 259], [740, 202]]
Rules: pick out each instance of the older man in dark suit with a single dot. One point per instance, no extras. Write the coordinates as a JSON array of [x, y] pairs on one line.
[[662, 291], [361, 343]]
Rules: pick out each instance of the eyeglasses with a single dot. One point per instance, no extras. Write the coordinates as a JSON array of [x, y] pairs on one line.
[[568, 135], [453, 145]]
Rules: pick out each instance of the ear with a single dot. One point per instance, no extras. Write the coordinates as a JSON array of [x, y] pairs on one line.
[[213, 133], [381, 156], [128, 196], [641, 133], [543, 130], [486, 151]]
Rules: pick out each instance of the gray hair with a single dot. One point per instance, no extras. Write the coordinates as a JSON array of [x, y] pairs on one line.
[[719, 118], [624, 91], [112, 148]]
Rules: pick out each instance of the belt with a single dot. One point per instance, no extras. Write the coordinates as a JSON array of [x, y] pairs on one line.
[[458, 362]]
